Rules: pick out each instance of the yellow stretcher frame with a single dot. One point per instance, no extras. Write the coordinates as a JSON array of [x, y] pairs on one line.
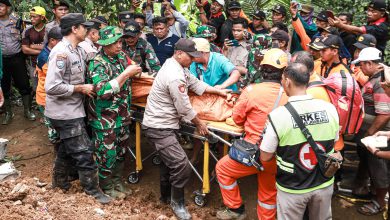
[[221, 127]]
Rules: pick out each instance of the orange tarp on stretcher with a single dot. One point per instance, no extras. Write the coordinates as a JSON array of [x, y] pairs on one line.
[[209, 107]]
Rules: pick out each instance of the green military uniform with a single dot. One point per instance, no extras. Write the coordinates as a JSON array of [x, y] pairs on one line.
[[261, 42], [109, 112], [215, 48], [144, 54], [207, 31]]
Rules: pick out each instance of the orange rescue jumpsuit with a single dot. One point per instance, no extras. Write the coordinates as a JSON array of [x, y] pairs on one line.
[[251, 110]]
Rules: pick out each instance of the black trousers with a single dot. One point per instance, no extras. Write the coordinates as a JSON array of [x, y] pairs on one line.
[[176, 169], [14, 67], [75, 145]]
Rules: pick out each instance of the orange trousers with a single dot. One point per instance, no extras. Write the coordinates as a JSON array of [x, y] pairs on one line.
[[228, 171]]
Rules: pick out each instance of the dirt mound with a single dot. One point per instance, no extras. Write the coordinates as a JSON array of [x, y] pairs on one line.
[[25, 199]]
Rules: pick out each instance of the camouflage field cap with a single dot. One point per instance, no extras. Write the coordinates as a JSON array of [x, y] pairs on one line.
[[109, 35], [205, 31]]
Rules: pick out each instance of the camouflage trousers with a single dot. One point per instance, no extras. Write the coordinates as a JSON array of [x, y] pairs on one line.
[[52, 134], [110, 147]]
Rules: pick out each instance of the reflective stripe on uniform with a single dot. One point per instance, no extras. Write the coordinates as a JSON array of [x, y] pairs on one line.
[[229, 187], [288, 167], [284, 163], [266, 206]]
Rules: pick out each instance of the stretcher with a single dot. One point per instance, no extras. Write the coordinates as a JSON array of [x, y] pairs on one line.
[[185, 129]]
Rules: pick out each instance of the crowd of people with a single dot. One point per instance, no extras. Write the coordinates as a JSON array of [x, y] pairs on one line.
[[79, 73]]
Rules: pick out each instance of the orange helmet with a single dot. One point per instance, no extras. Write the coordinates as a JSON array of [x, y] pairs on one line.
[[275, 57]]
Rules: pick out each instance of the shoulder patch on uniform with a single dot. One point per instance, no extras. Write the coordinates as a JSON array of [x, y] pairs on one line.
[[60, 60], [182, 88]]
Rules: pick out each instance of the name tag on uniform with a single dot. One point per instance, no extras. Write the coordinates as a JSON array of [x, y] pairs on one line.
[[312, 118], [75, 62]]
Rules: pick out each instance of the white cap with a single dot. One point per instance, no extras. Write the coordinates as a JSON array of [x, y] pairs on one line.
[[221, 2], [201, 44], [367, 54]]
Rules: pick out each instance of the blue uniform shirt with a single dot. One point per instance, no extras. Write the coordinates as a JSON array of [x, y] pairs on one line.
[[218, 70]]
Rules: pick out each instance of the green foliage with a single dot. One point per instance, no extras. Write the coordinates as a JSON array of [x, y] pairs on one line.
[[110, 8]]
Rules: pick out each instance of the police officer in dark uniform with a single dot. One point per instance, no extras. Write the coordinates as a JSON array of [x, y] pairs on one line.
[[65, 91], [14, 63]]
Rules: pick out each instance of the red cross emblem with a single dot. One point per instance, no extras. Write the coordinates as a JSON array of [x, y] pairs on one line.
[[307, 156]]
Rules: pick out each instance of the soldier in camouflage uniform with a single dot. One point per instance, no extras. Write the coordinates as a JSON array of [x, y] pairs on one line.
[[139, 50], [210, 33], [261, 42], [109, 111]]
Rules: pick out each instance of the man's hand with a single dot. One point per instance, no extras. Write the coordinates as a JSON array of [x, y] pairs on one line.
[[227, 44], [224, 92], [132, 70], [166, 4], [135, 3], [199, 4], [87, 89], [334, 22], [294, 9], [1, 97], [385, 86], [202, 128]]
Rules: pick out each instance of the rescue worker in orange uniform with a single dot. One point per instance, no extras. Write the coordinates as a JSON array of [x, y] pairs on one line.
[[251, 111], [330, 56], [331, 63]]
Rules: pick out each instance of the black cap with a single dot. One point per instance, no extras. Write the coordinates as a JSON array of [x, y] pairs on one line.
[[259, 15], [365, 40], [322, 16], [331, 41], [379, 5], [188, 46], [57, 3], [280, 9], [331, 30], [314, 42], [101, 20], [55, 33], [6, 2], [280, 35], [234, 5], [131, 29], [125, 16], [72, 19], [95, 24]]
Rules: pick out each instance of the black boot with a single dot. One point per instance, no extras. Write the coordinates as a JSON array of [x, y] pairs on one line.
[[60, 175], [165, 190], [28, 113], [177, 204], [73, 173], [8, 115], [89, 180], [119, 185]]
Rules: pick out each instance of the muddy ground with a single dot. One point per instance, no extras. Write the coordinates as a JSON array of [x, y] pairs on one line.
[[29, 140]]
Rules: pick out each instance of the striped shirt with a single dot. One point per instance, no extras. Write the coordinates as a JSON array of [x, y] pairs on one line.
[[375, 99]]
